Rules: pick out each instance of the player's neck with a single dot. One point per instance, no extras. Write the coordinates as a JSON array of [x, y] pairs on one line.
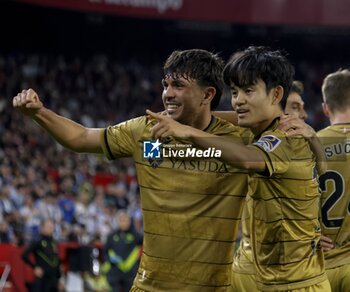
[[264, 124], [340, 117], [201, 121]]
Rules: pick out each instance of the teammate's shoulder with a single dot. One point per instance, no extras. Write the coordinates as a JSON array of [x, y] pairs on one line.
[[325, 131], [273, 130], [334, 131], [137, 121], [272, 134], [224, 127], [141, 120]]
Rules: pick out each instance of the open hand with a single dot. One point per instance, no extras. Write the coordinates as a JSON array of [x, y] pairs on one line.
[[38, 272]]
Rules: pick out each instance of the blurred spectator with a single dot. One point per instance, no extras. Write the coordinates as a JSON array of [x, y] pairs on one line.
[[31, 217], [66, 201], [116, 195], [96, 215], [49, 209], [121, 254], [6, 204], [5, 232], [82, 202], [46, 264]]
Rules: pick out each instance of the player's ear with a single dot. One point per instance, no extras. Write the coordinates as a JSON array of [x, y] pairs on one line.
[[209, 93], [278, 92], [325, 109]]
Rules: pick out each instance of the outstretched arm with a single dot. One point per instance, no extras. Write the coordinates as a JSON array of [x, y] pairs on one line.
[[65, 131], [236, 154], [294, 126]]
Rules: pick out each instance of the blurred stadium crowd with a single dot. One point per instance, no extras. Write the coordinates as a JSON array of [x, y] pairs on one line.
[[82, 194], [39, 179]]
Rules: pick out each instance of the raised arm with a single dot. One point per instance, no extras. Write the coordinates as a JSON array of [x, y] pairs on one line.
[[236, 154], [65, 131]]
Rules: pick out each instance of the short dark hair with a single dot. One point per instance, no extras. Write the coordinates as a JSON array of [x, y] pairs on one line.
[[199, 65], [244, 68], [336, 90], [297, 87]]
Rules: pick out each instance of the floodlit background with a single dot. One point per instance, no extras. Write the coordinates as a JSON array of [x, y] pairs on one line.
[[99, 62]]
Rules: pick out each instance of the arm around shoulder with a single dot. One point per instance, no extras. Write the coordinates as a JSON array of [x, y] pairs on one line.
[[232, 152]]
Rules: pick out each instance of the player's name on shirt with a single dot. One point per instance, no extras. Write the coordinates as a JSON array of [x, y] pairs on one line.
[[336, 148]]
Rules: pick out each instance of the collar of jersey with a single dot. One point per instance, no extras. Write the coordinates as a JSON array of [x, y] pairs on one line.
[[272, 126]]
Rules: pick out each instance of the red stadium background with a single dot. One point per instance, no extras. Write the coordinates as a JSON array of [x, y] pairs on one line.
[[296, 12], [315, 33]]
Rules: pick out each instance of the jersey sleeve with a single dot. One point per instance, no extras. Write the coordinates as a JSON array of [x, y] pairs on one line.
[[120, 140], [277, 152]]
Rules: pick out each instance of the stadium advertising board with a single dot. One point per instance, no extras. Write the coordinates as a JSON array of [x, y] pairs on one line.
[[300, 12]]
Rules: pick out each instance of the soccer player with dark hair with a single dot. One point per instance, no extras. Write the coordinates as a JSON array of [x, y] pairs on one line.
[[191, 205], [284, 225], [243, 272]]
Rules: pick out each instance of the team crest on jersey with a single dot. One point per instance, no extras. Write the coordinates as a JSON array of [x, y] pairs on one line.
[[269, 143]]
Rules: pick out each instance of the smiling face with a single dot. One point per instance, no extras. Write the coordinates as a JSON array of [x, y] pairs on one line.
[[255, 106], [186, 101], [259, 79]]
